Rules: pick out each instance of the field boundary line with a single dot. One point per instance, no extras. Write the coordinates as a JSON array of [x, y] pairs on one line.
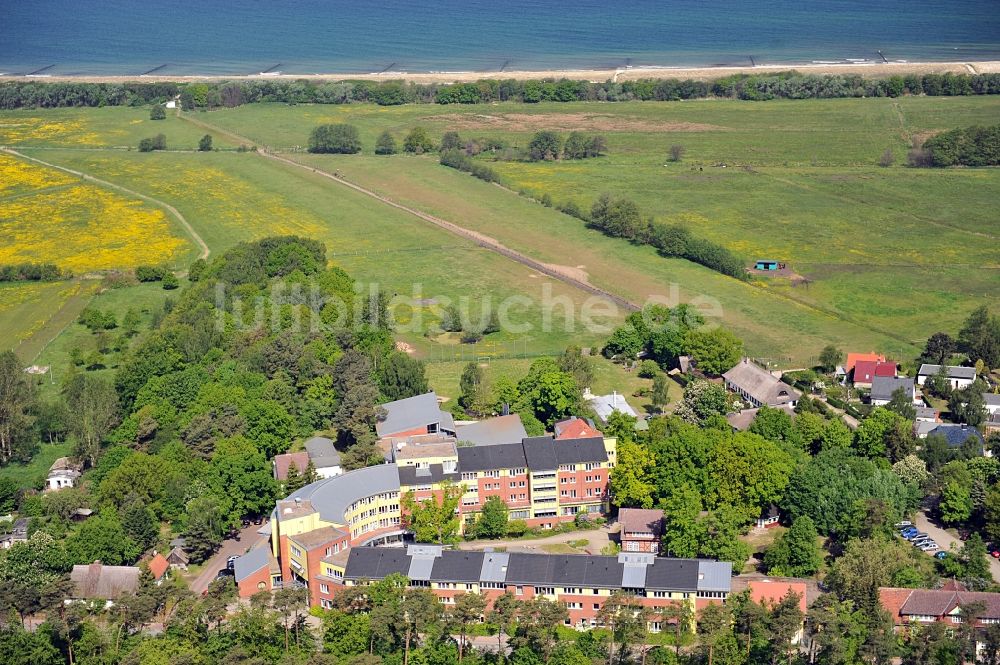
[[205, 251], [79, 296], [479, 239]]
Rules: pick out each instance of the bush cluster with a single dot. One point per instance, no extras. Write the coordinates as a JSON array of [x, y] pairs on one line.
[[31, 272], [969, 146], [158, 142], [457, 159]]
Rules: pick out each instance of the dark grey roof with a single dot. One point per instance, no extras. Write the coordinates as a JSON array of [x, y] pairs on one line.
[[493, 431], [956, 435], [410, 413], [411, 475], [673, 574], [951, 371], [322, 453], [991, 399], [251, 562], [575, 451], [541, 454], [564, 570], [884, 386], [457, 566], [332, 496], [482, 458], [376, 563]]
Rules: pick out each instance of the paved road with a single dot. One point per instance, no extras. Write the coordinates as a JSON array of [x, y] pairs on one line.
[[230, 546], [945, 539]]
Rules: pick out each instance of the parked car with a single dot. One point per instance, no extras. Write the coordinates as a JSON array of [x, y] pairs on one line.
[[941, 555], [929, 547], [904, 524], [995, 554], [915, 535], [231, 562], [921, 543], [258, 520]]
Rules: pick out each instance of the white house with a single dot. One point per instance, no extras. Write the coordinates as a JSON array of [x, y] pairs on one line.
[[324, 457], [62, 474], [992, 403], [958, 377]]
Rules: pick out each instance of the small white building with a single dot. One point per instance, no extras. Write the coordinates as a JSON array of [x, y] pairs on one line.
[[958, 377], [324, 457], [992, 403], [62, 474], [605, 405]]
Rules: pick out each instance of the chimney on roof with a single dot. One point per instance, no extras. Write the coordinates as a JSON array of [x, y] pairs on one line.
[[298, 501]]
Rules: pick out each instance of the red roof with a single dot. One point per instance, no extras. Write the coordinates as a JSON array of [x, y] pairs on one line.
[[771, 593], [576, 428], [853, 358], [282, 462], [892, 600], [641, 520], [158, 566], [866, 370]]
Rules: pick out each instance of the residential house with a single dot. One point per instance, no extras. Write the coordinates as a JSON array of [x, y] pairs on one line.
[[854, 358], [771, 592], [583, 583], [17, 534], [758, 387], [957, 435], [958, 377], [281, 464], [492, 431], [421, 414], [178, 558], [927, 414], [883, 388], [324, 457], [865, 372], [62, 474], [769, 517], [159, 568], [641, 529], [96, 581], [991, 402], [913, 607], [575, 428], [605, 405]]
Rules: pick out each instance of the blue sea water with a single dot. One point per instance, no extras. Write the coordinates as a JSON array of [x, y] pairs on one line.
[[129, 37]]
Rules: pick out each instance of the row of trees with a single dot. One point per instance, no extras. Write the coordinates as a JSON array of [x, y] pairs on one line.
[[548, 145], [791, 85], [621, 218]]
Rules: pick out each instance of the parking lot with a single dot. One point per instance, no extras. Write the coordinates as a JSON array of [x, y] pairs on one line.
[[946, 539]]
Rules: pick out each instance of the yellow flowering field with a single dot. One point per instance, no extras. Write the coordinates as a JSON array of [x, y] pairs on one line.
[[83, 228], [18, 176], [60, 129]]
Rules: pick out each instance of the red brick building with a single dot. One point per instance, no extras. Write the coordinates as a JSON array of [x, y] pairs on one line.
[[641, 529]]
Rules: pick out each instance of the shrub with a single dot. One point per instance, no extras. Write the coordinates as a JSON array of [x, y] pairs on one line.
[[418, 141], [648, 369], [516, 528], [545, 145], [158, 112], [150, 273], [386, 144], [205, 144], [170, 281], [146, 145]]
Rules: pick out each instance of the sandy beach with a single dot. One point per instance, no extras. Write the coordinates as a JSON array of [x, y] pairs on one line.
[[621, 74]]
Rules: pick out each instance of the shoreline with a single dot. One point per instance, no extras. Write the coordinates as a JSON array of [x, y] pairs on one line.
[[872, 69]]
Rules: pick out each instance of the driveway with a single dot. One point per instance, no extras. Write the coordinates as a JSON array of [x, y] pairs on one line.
[[248, 538], [946, 539]]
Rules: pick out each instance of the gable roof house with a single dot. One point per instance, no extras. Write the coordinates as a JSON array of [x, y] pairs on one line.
[[178, 558], [772, 592], [758, 387], [324, 456], [420, 414], [575, 428], [854, 358], [865, 372], [282, 463], [884, 386], [96, 581], [957, 435], [921, 606], [991, 402], [641, 529], [158, 568], [958, 377], [17, 534]]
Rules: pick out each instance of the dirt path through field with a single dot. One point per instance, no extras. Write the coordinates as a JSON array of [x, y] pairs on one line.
[[104, 183], [568, 275]]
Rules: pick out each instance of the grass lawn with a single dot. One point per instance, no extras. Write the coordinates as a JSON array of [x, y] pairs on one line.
[[800, 185], [109, 127], [32, 474], [144, 298]]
